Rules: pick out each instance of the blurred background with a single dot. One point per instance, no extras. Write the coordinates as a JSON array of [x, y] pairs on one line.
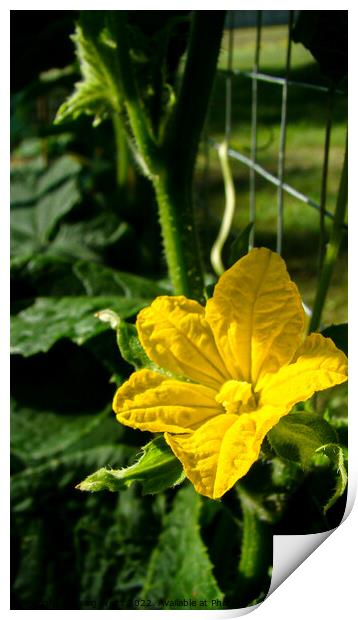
[[85, 236]]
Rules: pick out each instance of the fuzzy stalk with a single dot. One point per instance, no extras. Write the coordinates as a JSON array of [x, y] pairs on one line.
[[256, 552], [332, 249], [170, 164], [179, 236], [139, 120], [122, 155], [174, 186], [184, 128]]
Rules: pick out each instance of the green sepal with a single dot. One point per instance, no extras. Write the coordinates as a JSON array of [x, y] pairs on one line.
[[156, 470], [299, 435], [335, 454], [128, 341], [132, 351], [131, 348], [129, 344]]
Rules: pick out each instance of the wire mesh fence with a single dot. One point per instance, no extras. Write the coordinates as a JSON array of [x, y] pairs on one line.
[[287, 84], [255, 169]]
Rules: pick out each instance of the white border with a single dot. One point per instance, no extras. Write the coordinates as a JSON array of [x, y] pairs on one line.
[[325, 584]]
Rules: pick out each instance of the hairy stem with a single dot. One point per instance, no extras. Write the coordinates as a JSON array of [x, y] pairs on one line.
[[138, 118], [122, 159], [170, 163], [256, 552], [333, 246], [180, 145], [186, 124], [179, 237]]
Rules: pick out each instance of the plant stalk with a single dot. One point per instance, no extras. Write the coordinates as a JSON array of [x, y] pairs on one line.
[[139, 120], [256, 552], [170, 163], [185, 126], [122, 159], [333, 246], [179, 236]]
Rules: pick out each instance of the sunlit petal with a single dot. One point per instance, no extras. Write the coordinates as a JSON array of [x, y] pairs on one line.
[[256, 315], [153, 402], [223, 449], [177, 337], [317, 365]]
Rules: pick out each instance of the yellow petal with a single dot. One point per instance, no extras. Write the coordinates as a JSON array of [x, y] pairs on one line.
[[152, 402], [223, 449], [256, 315], [177, 337], [317, 365]]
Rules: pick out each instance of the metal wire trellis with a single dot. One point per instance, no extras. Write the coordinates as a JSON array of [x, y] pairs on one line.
[[251, 162]]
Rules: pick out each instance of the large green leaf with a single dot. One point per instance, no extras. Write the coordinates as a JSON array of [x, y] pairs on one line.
[[38, 327], [45, 275], [180, 570], [61, 169], [64, 470], [31, 181], [85, 240], [32, 226], [99, 279], [23, 181], [37, 435], [156, 470], [299, 435]]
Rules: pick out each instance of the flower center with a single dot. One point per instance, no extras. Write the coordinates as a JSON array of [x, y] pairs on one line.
[[237, 397]]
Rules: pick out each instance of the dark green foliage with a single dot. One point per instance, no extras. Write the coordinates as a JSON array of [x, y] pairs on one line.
[[325, 34], [49, 319], [181, 556], [339, 335]]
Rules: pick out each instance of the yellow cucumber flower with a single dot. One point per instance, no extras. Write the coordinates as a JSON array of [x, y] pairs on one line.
[[240, 364]]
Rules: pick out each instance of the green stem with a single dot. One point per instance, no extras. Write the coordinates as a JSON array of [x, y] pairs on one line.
[[170, 164], [184, 129], [122, 159], [333, 246], [174, 188], [256, 552], [138, 118], [179, 236], [323, 198]]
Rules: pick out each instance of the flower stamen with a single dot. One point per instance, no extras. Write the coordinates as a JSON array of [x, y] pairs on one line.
[[237, 397]]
